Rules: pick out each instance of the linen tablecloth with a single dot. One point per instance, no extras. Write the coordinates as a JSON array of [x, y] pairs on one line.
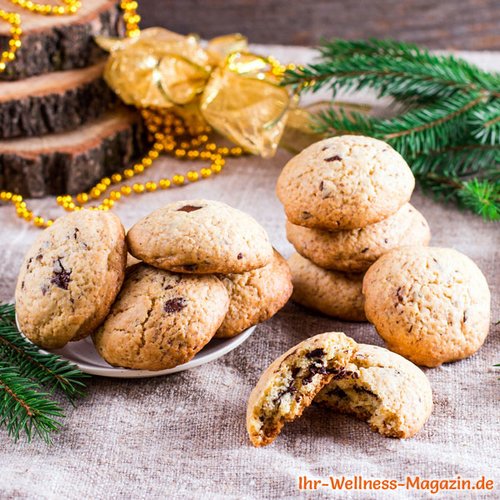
[[184, 436]]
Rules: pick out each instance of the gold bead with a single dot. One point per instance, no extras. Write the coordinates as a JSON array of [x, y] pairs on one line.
[[116, 178], [178, 179], [126, 190], [95, 193], [82, 198], [236, 151], [215, 168], [192, 176], [147, 162], [158, 146], [153, 154], [180, 153], [106, 181], [115, 195], [138, 169], [128, 173], [138, 188], [151, 186], [101, 186], [49, 223], [108, 203], [164, 183], [39, 221], [205, 172]]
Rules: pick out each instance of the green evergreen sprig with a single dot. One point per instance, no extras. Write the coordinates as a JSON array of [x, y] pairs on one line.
[[449, 125], [28, 381]]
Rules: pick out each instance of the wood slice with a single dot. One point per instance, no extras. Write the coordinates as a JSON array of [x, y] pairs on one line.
[[52, 103], [71, 162], [59, 43]]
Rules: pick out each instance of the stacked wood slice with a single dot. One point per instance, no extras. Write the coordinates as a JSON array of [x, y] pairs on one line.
[[61, 127]]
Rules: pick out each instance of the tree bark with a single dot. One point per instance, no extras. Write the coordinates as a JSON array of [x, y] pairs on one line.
[[52, 103], [71, 162], [59, 43]]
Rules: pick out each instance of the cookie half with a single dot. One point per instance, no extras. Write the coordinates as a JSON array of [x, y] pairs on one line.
[[431, 305], [356, 250], [333, 293], [161, 319], [200, 236], [344, 182], [70, 277], [389, 392], [255, 296], [292, 381]]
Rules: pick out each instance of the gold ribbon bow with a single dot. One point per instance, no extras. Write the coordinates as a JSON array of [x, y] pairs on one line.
[[221, 84]]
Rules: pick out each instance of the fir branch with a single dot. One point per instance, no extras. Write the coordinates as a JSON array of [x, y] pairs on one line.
[[449, 129], [391, 68], [46, 369], [417, 131], [23, 409], [480, 196], [459, 161], [485, 123]]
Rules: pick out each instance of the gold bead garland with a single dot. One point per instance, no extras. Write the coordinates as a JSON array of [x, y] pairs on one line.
[[69, 7], [169, 134], [9, 54]]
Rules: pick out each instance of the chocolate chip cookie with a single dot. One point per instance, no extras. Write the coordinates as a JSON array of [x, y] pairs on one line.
[[200, 236], [431, 305], [70, 277], [161, 319], [356, 250], [292, 381], [344, 182], [255, 296], [389, 392], [330, 292]]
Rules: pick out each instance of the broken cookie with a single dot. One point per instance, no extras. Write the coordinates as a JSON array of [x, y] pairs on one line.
[[292, 381], [370, 382], [389, 392]]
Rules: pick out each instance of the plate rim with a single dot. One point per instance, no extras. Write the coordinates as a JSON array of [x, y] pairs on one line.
[[119, 372]]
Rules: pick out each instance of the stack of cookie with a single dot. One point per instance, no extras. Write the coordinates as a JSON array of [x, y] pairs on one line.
[[346, 200], [207, 270]]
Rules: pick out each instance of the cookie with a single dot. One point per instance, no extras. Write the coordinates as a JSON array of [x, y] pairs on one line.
[[292, 381], [331, 292], [344, 182], [386, 390], [70, 277], [255, 296], [356, 250], [161, 319], [431, 305], [200, 236]]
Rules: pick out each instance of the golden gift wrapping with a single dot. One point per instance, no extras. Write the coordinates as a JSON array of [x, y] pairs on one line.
[[221, 84]]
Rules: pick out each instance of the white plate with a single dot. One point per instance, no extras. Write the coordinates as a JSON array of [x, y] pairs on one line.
[[84, 355]]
